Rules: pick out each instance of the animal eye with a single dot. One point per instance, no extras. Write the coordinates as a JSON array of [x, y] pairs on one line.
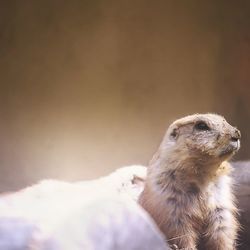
[[201, 126]]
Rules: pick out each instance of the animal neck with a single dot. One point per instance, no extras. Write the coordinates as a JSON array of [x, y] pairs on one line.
[[181, 172]]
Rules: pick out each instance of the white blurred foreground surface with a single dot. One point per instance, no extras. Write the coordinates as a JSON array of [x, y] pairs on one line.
[[100, 214]]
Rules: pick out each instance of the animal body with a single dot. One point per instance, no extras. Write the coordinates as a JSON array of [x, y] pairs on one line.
[[188, 189]]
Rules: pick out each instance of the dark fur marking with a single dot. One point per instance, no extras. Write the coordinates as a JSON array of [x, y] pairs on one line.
[[219, 209], [176, 191], [221, 228], [172, 200], [218, 137], [170, 174], [193, 189]]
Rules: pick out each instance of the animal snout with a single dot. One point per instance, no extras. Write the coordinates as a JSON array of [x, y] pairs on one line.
[[236, 135]]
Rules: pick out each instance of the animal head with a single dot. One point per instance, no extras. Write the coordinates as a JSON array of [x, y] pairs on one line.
[[199, 137]]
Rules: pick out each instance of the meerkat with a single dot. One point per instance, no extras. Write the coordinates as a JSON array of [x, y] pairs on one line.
[[188, 188]]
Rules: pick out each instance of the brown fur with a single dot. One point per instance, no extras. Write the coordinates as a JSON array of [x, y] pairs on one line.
[[188, 187]]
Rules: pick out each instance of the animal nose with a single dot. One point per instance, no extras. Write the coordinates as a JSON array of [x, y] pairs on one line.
[[236, 135]]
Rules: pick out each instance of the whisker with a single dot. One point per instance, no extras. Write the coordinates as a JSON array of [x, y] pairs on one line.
[[178, 237]]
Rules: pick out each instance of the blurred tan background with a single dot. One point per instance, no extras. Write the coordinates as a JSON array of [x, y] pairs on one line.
[[90, 86]]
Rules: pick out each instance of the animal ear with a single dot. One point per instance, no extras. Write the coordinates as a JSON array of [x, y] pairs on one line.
[[174, 134]]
